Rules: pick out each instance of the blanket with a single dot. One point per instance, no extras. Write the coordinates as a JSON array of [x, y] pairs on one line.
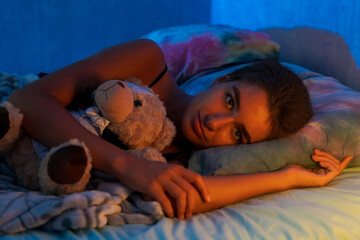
[[106, 201]]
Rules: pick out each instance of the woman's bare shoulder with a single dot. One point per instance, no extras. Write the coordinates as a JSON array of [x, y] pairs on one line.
[[141, 58]]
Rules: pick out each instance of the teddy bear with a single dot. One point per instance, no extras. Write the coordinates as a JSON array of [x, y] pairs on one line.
[[126, 113]]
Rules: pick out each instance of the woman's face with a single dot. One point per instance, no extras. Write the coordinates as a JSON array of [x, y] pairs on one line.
[[227, 113]]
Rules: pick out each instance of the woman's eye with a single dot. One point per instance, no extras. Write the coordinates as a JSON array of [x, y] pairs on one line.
[[229, 101], [237, 135]]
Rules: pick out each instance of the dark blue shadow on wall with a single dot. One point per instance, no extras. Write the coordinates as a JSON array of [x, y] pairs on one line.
[[44, 35]]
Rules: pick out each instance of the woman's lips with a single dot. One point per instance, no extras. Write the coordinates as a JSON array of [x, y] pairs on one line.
[[198, 127]]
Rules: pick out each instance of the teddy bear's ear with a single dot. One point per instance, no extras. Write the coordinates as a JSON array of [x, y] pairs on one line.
[[165, 136]]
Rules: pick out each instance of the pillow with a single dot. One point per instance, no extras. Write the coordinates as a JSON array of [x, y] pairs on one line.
[[191, 49], [335, 128]]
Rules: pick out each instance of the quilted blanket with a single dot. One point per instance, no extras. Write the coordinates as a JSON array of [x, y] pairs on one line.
[[106, 201]]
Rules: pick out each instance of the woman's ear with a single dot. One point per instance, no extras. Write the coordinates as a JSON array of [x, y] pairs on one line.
[[220, 79]]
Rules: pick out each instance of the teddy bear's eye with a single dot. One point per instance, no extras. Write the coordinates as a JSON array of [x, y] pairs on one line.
[[137, 103]]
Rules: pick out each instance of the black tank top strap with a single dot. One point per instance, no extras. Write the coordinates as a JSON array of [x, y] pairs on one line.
[[158, 77]]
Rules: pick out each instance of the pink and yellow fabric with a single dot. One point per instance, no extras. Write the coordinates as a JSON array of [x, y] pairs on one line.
[[191, 49]]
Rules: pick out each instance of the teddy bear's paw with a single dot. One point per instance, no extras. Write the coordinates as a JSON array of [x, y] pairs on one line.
[[67, 165], [65, 168], [10, 125], [4, 121]]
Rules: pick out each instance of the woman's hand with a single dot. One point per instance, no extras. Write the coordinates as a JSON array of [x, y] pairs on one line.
[[318, 177], [166, 183]]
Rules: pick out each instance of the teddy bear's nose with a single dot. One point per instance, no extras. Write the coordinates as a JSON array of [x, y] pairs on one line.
[[120, 84], [137, 103]]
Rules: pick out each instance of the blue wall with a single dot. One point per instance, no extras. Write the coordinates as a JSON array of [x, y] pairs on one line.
[[338, 16], [44, 35]]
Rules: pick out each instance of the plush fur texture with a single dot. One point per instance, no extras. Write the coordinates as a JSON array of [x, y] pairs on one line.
[[142, 129], [25, 161], [15, 119], [147, 125], [145, 129], [51, 187]]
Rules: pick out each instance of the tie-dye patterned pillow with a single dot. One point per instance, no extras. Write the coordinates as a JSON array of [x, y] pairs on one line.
[[335, 128], [191, 49]]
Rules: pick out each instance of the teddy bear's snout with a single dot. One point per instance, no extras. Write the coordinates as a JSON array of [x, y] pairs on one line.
[[112, 96]]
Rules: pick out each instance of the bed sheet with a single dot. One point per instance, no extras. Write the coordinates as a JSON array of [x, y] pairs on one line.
[[331, 212]]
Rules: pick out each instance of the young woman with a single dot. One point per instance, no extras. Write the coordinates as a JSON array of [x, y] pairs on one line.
[[230, 112]]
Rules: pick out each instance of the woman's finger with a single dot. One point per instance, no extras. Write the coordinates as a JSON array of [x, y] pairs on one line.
[[319, 158], [327, 155], [190, 194], [319, 152], [198, 182], [158, 194], [176, 192], [329, 167], [345, 162]]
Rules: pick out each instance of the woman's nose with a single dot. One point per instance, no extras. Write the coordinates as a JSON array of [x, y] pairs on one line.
[[217, 121]]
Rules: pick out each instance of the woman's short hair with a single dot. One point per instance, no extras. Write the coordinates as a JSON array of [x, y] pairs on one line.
[[288, 98]]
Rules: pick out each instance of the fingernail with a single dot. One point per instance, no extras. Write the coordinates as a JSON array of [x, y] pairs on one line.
[[208, 198], [188, 215]]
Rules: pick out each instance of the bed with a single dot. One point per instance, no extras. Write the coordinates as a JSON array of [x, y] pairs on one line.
[[330, 212]]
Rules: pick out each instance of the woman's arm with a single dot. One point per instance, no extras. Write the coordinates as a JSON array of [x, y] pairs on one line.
[[46, 119], [140, 58], [225, 190]]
